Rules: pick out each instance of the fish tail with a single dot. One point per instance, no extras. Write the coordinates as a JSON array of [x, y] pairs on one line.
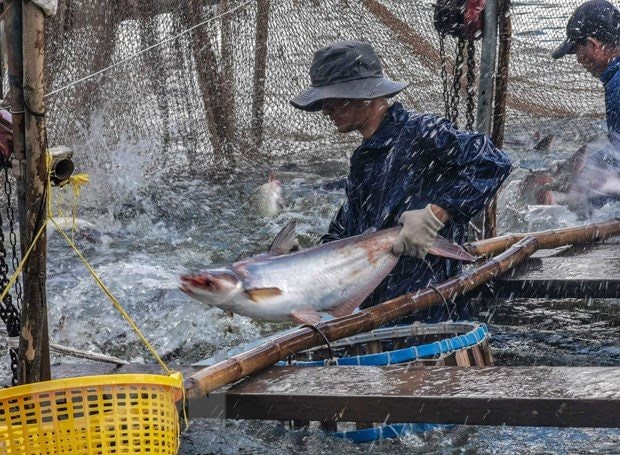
[[443, 247]]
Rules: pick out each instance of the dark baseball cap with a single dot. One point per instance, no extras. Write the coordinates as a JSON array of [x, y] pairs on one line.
[[345, 69], [594, 19]]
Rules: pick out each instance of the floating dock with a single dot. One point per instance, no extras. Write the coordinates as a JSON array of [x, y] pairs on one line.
[[519, 396], [584, 271]]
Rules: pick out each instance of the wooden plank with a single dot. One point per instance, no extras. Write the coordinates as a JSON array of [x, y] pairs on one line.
[[591, 271], [531, 396]]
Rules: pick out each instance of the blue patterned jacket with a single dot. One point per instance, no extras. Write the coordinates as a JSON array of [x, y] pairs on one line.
[[412, 160]]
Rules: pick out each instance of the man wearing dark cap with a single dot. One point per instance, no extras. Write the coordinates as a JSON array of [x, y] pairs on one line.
[[593, 35], [411, 168]]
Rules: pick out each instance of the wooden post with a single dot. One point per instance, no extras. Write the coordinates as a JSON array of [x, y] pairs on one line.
[[499, 111], [260, 72], [501, 81], [34, 364], [484, 115]]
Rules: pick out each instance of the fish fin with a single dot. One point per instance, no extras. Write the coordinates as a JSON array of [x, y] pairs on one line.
[[306, 315], [543, 144], [370, 230], [285, 240], [344, 309], [259, 294], [448, 249]]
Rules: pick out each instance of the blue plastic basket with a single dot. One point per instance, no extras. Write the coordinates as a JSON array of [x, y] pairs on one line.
[[474, 334], [465, 335]]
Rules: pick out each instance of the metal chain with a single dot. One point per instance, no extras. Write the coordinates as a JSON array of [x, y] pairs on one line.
[[8, 311], [444, 74], [471, 79], [456, 82], [10, 215]]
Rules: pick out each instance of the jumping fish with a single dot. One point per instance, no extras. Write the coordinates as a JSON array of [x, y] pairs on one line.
[[268, 197], [333, 277]]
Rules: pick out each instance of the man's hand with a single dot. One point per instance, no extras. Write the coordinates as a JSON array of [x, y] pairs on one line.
[[419, 229]]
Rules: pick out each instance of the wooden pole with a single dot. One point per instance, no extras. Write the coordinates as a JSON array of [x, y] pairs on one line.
[[499, 109], [239, 366], [34, 362], [484, 116], [501, 80], [260, 72], [549, 239]]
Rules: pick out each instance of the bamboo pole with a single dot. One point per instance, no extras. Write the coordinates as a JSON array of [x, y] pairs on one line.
[[549, 239], [34, 363], [244, 364], [74, 352]]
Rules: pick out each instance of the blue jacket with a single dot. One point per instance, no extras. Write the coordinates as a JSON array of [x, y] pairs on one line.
[[413, 160], [606, 159], [611, 81]]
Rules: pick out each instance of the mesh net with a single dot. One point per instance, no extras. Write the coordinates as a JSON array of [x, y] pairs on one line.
[[205, 85]]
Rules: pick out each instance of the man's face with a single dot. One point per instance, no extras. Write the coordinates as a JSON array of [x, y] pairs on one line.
[[347, 115], [592, 55]]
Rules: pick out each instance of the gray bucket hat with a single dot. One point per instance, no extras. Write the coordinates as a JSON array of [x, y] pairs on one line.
[[346, 69]]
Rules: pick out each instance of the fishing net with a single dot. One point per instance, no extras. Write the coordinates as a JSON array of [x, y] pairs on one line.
[[205, 85]]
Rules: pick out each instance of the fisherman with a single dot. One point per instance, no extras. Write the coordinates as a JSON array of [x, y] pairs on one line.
[[593, 35], [412, 169]]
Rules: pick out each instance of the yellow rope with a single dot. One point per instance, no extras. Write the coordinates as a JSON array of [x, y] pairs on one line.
[[113, 299], [76, 182], [21, 264]]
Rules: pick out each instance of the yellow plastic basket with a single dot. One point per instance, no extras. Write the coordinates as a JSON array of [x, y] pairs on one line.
[[112, 414]]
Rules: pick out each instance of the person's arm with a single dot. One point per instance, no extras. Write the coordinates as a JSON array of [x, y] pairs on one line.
[[612, 108], [470, 171], [440, 213]]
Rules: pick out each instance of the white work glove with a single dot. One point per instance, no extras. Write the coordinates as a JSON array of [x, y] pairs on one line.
[[419, 229]]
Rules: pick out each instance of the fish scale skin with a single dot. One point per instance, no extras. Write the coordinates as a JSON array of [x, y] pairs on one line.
[[323, 278]]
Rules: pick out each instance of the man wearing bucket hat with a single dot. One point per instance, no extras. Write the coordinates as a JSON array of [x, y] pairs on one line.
[[593, 35], [411, 168]]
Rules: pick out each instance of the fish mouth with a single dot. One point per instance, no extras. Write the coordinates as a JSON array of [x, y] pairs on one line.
[[191, 283], [214, 282]]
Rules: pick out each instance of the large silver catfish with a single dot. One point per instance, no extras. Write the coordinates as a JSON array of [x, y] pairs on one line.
[[334, 277]]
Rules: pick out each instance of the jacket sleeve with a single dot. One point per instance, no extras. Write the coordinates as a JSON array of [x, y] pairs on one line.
[[471, 168], [338, 226], [612, 108]]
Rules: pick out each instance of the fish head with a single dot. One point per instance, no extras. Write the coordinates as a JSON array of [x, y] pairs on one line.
[[273, 181], [535, 188], [213, 287]]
